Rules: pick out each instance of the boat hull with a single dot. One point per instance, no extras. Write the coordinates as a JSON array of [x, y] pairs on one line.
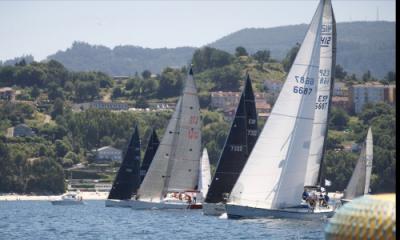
[[144, 205], [343, 201], [238, 212], [65, 203], [214, 209], [118, 203]]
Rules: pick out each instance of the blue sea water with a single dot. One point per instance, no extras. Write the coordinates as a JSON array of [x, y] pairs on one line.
[[41, 220]]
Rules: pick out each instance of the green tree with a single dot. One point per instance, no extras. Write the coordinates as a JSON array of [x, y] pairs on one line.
[[241, 51], [207, 58], [146, 74], [290, 57], [340, 73], [338, 119], [262, 56], [35, 92], [58, 108]]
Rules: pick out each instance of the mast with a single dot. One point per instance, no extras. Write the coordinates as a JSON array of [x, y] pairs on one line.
[[127, 180], [331, 94], [323, 98], [237, 148], [151, 149]]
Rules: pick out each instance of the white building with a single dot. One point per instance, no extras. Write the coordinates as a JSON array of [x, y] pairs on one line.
[[108, 153], [362, 94]]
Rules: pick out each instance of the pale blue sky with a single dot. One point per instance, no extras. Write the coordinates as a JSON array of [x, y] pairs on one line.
[[41, 28]]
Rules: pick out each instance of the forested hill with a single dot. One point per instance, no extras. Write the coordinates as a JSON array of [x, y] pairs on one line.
[[361, 46], [122, 60]]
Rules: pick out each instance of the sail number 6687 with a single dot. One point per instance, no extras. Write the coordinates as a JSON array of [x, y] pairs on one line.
[[302, 90]]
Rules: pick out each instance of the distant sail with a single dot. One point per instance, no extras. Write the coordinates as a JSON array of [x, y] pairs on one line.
[[175, 167], [127, 180], [205, 174], [360, 179], [275, 172], [151, 149], [239, 143]]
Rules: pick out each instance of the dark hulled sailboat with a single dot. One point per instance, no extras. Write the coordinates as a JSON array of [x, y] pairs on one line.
[[127, 180], [240, 141], [149, 154]]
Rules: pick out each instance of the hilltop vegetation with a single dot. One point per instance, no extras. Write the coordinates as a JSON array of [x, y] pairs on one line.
[[361, 46]]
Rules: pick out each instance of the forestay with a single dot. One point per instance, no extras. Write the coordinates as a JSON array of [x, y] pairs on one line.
[[275, 171]]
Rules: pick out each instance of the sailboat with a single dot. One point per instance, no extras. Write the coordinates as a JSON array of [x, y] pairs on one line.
[[172, 179], [151, 149], [127, 180], [204, 176], [273, 179], [360, 179], [239, 143]]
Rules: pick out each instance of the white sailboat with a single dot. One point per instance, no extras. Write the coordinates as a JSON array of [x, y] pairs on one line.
[[205, 176], [273, 179], [360, 179], [172, 178]]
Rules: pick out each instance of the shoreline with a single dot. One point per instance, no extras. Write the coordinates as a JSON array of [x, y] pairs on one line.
[[26, 197]]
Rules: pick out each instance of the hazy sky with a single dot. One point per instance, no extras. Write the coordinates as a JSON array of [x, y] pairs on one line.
[[41, 28]]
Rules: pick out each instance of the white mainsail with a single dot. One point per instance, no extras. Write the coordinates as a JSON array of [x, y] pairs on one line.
[[323, 98], [205, 174], [369, 154], [360, 179], [274, 174], [186, 158], [175, 166], [153, 183]]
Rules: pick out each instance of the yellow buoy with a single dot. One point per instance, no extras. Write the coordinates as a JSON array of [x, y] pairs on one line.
[[366, 217]]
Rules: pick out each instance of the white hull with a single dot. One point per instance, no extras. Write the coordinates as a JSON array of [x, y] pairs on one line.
[[62, 202], [236, 212], [144, 205], [214, 209], [118, 203]]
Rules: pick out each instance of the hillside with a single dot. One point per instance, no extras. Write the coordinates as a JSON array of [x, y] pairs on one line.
[[121, 60], [362, 46]]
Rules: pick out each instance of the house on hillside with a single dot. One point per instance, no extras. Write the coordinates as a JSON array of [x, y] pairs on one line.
[[7, 94], [107, 153], [22, 130], [361, 94]]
